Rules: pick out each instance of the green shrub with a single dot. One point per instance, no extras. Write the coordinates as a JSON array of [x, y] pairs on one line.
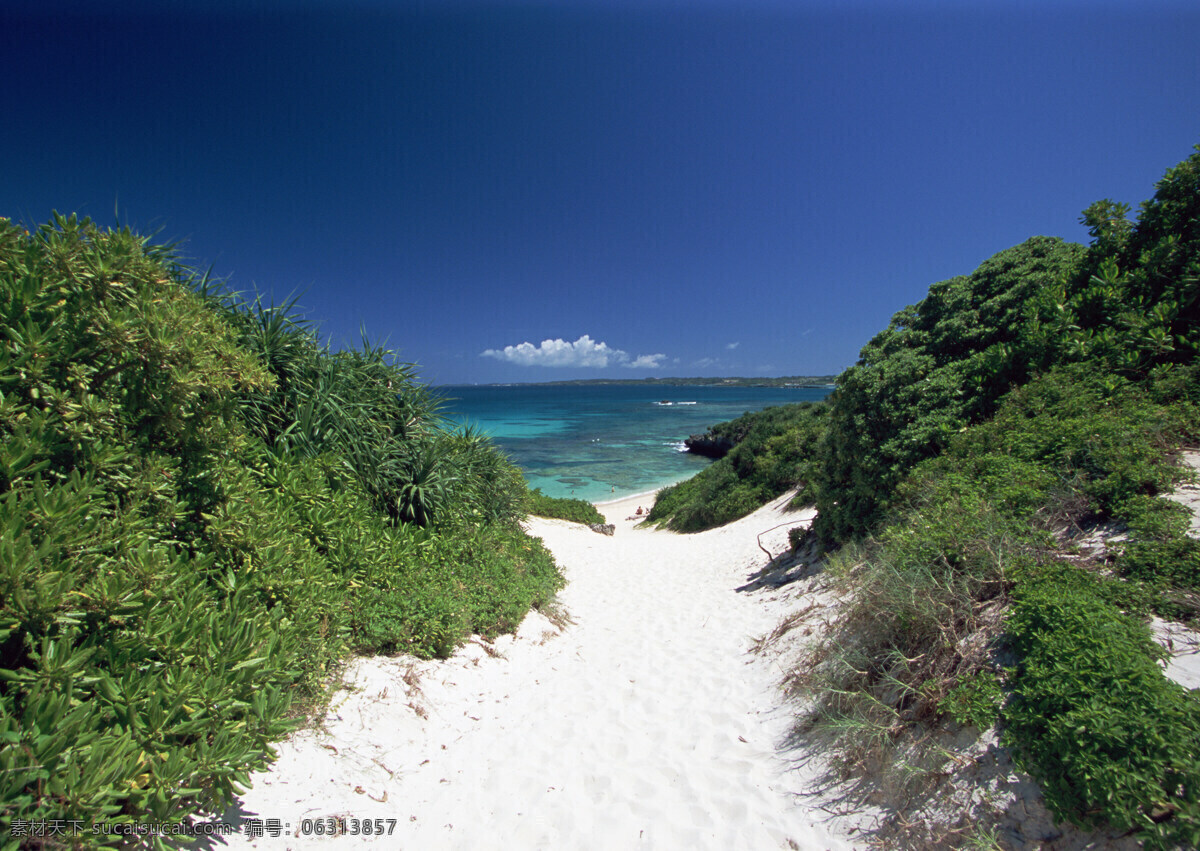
[[1109, 738], [922, 595], [940, 365], [975, 700], [141, 678], [1101, 431], [1174, 562], [484, 582], [970, 525], [1131, 307], [775, 452], [711, 498], [201, 511], [575, 510], [797, 536], [984, 428]]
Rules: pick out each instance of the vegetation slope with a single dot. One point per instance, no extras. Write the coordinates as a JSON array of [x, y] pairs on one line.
[[202, 511], [986, 431], [773, 451]]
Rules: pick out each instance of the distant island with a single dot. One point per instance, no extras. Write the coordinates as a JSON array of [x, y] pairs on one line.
[[787, 381]]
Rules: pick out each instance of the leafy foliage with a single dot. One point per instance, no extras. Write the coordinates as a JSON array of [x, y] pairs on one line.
[[575, 510], [1110, 739], [1134, 303], [940, 365], [201, 512], [774, 452], [979, 525], [975, 700], [926, 601]]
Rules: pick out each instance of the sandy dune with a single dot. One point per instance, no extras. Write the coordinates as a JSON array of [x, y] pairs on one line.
[[644, 723]]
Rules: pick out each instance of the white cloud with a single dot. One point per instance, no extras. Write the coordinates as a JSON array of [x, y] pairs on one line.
[[647, 362], [732, 346], [584, 352]]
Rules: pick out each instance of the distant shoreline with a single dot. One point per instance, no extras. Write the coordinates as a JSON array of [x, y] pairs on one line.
[[603, 442], [798, 382]]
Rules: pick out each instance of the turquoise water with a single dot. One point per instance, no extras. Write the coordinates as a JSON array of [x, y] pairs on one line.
[[599, 442]]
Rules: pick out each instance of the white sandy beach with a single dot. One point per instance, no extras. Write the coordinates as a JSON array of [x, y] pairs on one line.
[[644, 723]]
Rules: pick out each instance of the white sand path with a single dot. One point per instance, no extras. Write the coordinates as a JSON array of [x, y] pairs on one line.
[[644, 724]]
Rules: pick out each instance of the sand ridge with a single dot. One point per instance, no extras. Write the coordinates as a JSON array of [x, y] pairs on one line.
[[643, 723]]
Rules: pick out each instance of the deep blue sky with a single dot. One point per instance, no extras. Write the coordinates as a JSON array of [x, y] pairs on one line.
[[747, 188]]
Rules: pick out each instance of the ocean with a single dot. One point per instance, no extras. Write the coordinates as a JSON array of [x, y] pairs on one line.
[[607, 441]]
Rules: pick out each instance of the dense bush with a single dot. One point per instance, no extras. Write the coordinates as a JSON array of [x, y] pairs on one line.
[[575, 510], [767, 421], [926, 601], [1127, 306], [1108, 737], [201, 511], [940, 365], [775, 452], [483, 582], [1133, 304], [980, 524], [1109, 437], [965, 451]]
